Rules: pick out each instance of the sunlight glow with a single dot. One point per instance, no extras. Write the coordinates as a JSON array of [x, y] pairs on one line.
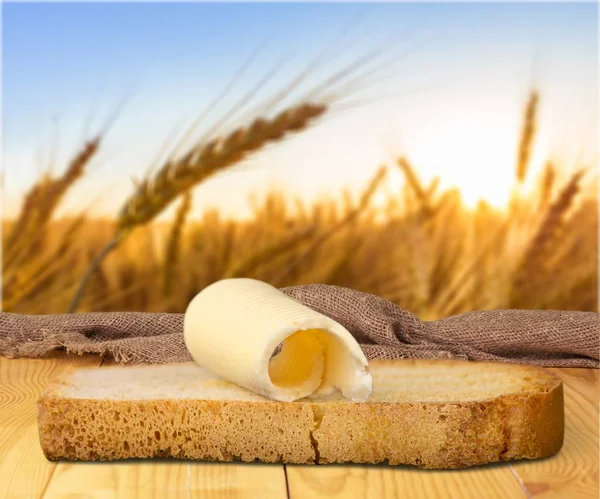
[[476, 153]]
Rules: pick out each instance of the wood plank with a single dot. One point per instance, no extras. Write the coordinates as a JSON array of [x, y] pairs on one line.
[[167, 478], [573, 472], [24, 471], [387, 482]]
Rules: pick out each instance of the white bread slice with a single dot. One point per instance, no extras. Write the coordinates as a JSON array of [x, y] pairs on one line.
[[431, 414]]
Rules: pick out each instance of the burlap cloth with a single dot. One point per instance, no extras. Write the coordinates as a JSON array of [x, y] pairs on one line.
[[384, 331]]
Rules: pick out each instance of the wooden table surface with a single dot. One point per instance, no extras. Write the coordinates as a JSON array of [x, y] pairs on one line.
[[25, 472]]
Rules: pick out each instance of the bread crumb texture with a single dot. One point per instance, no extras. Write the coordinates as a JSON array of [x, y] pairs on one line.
[[430, 414]]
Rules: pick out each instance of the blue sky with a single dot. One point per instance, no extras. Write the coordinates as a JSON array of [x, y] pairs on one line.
[[456, 106]]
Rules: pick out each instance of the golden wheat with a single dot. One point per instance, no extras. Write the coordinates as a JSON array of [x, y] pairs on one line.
[[546, 239], [39, 205], [45, 195], [33, 276], [422, 195], [376, 259], [527, 136], [24, 270], [363, 203], [176, 177], [172, 252], [424, 250], [547, 184], [263, 255]]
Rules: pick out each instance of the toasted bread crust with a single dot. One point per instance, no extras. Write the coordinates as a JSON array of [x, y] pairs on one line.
[[441, 435]]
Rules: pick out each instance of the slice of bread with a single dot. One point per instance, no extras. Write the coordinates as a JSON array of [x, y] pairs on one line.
[[431, 414]]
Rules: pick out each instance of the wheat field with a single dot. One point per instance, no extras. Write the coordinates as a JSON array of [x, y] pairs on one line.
[[424, 250]]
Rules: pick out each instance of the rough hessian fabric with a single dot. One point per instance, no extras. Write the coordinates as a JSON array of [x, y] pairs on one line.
[[384, 330]]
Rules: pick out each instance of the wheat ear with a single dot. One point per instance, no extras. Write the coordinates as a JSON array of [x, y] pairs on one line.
[[422, 194], [547, 184], [177, 177], [23, 282], [527, 136], [174, 178], [348, 219], [248, 265], [546, 236], [43, 198]]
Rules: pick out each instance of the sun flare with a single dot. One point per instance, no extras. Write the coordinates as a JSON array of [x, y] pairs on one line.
[[476, 153]]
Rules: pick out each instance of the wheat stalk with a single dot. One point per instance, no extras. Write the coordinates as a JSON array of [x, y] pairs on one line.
[[174, 242], [338, 269], [422, 194], [263, 255], [411, 177], [451, 295], [547, 184], [25, 281], [418, 267], [227, 245], [555, 215], [433, 187], [41, 202], [47, 194], [330, 269], [574, 263], [547, 235], [527, 136], [176, 177], [349, 218]]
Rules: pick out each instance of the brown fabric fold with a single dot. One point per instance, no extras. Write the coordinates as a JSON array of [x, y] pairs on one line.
[[384, 330]]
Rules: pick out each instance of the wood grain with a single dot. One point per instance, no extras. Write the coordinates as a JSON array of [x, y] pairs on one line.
[[573, 472], [166, 478], [384, 482], [24, 471]]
